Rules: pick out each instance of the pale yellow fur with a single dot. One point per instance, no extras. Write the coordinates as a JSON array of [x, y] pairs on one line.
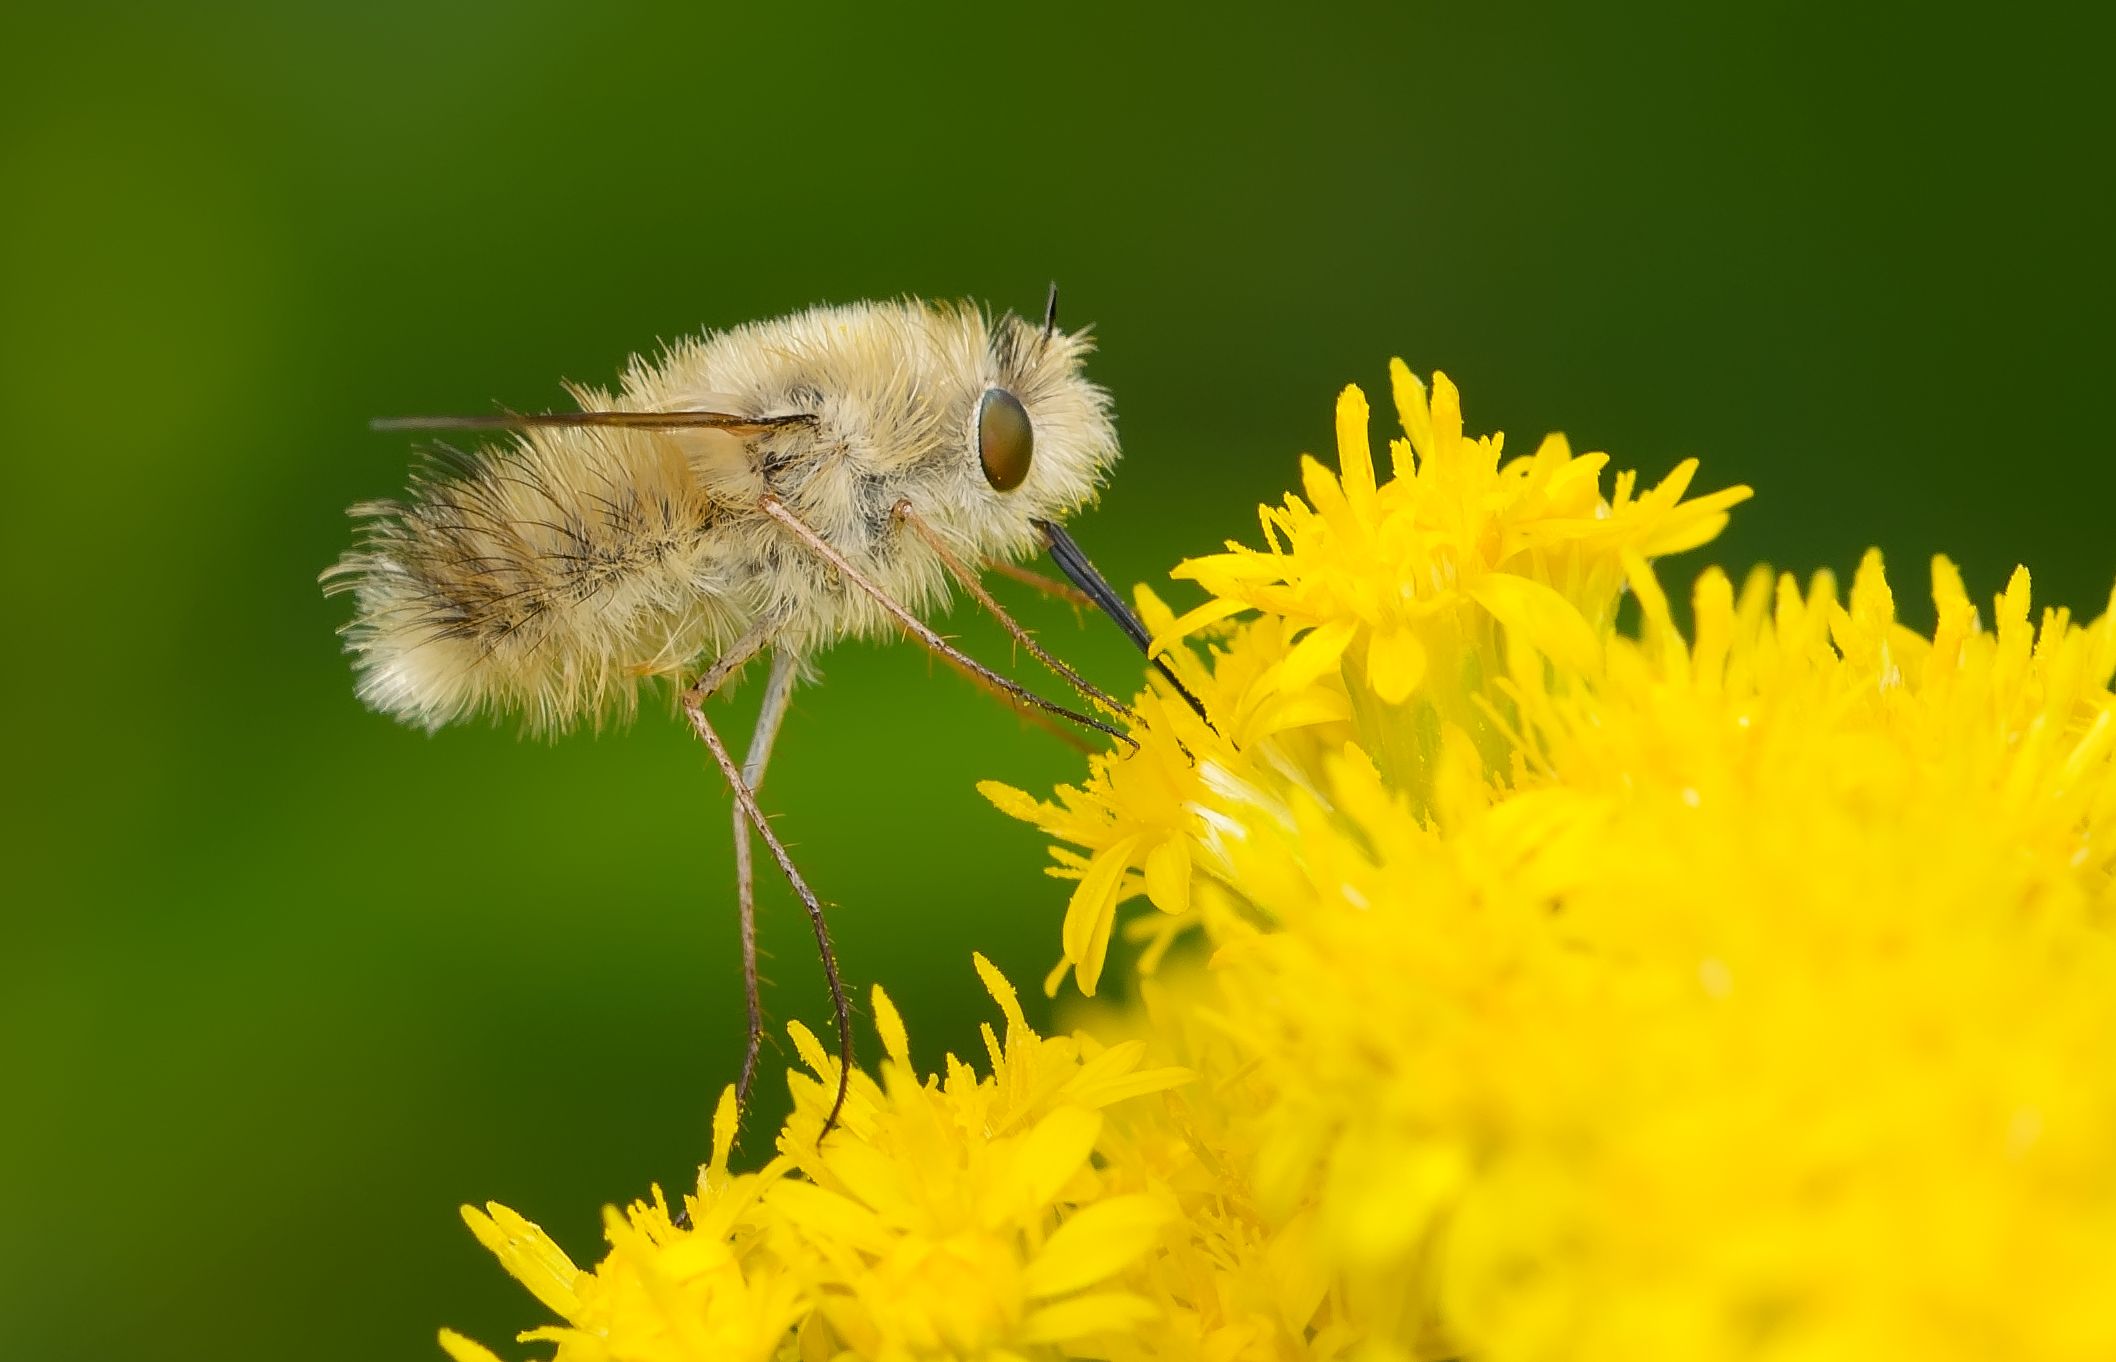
[[548, 574]]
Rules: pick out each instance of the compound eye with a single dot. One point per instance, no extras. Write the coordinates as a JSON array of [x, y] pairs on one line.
[[1005, 439]]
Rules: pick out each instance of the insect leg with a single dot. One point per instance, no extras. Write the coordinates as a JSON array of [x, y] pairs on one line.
[[1049, 586], [909, 516], [925, 633], [716, 676], [1034, 716], [777, 692]]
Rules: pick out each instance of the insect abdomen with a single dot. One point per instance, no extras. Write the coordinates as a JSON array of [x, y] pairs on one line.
[[545, 579]]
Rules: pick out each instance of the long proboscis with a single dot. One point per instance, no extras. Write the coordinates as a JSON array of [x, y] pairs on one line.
[[1073, 562]]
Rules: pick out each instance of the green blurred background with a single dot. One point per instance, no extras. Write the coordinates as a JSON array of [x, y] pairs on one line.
[[283, 983]]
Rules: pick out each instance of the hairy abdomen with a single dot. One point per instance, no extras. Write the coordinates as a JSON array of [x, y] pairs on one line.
[[546, 578]]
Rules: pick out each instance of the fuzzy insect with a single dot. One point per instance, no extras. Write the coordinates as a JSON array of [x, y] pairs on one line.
[[773, 488]]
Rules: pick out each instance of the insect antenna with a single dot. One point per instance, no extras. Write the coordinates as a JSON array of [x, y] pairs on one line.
[[1074, 564], [1050, 313]]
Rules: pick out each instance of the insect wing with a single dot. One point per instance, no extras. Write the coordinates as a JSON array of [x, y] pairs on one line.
[[732, 422]]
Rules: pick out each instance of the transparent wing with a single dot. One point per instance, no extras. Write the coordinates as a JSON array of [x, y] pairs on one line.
[[634, 420]]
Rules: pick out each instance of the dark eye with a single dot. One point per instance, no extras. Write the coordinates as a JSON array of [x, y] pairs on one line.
[[1005, 439]]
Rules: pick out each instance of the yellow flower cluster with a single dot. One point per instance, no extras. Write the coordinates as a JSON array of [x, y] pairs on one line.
[[1403, 608], [1566, 992], [952, 1216]]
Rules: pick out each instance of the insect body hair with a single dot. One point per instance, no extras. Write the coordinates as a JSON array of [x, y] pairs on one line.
[[550, 574], [546, 577]]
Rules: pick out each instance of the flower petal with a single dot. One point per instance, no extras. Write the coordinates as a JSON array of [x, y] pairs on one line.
[[528, 1253], [463, 1349], [1002, 992], [1395, 664], [1104, 1312], [1057, 1146], [1092, 910], [1412, 411], [1012, 802], [1190, 621], [1168, 875], [1094, 1244], [1355, 455], [1316, 654], [1540, 617], [896, 1042]]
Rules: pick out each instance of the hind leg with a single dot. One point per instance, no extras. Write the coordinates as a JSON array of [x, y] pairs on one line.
[[778, 691], [716, 676]]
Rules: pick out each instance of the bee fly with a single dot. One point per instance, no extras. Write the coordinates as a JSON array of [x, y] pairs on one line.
[[774, 488]]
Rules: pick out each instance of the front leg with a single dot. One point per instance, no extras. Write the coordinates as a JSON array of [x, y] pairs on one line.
[[1027, 700]]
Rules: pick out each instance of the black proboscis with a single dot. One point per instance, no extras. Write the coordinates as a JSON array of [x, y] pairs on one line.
[[1081, 573]]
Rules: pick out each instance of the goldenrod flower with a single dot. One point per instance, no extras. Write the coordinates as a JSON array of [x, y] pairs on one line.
[[1422, 582], [1764, 1012], [958, 1216], [1149, 819], [1744, 992], [1373, 595]]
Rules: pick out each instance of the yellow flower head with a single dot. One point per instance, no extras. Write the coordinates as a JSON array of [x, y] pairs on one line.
[[1416, 584], [1387, 606], [1149, 820]]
